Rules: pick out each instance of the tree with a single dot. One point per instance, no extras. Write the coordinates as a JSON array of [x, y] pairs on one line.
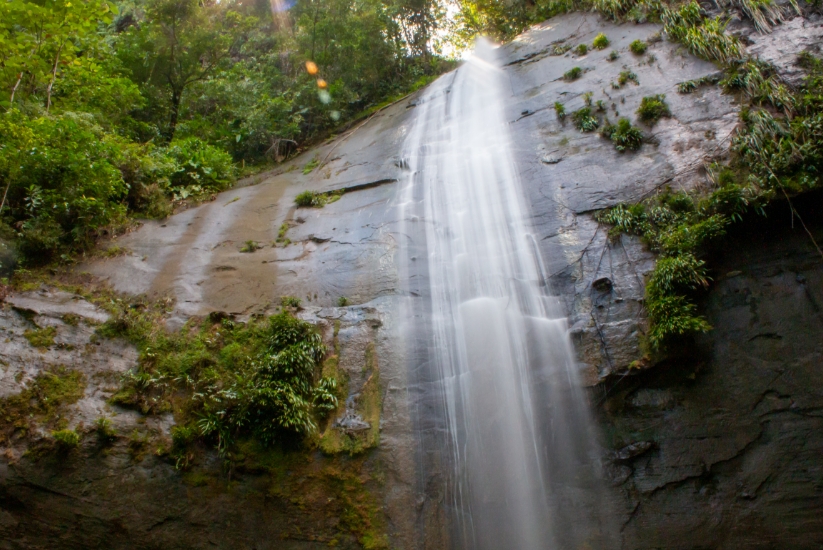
[[178, 43], [39, 41]]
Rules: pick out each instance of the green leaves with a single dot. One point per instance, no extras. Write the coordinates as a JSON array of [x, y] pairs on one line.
[[703, 37], [624, 136], [39, 41], [63, 180], [197, 163], [653, 108], [584, 121]]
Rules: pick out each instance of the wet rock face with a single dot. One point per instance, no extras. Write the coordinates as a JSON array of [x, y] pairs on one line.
[[735, 434], [721, 451], [125, 492], [566, 174]]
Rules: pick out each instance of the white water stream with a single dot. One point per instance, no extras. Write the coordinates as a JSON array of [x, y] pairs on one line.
[[502, 399]]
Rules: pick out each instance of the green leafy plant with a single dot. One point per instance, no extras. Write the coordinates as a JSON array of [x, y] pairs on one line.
[[249, 246], [613, 55], [653, 108], [627, 76], [560, 110], [572, 74], [342, 301], [638, 47], [584, 121], [581, 49], [290, 301], [625, 136], [703, 37], [240, 380], [601, 41], [198, 165], [324, 396]]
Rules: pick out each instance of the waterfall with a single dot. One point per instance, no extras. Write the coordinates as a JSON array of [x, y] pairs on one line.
[[500, 413]]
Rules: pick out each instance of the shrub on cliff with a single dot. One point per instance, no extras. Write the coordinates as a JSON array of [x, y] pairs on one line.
[[653, 108], [584, 121], [625, 136], [260, 379], [601, 41]]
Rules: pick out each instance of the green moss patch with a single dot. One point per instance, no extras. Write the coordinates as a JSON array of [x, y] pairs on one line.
[[42, 338], [367, 405], [41, 403]]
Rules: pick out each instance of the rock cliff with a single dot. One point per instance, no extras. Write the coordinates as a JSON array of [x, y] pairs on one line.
[[717, 449]]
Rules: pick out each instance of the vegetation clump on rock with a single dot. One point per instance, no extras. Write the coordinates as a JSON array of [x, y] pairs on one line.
[[638, 47], [625, 136], [653, 108], [315, 199], [41, 403], [226, 381], [601, 41], [559, 110], [66, 439], [773, 157], [572, 74], [627, 76], [584, 121]]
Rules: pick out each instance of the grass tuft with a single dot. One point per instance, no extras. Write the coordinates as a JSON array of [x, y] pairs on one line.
[[572, 74], [249, 246], [638, 47], [601, 42], [627, 76], [314, 199], [653, 108], [703, 37]]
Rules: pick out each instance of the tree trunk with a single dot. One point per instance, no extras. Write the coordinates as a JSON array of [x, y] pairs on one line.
[[53, 78], [176, 96], [14, 90]]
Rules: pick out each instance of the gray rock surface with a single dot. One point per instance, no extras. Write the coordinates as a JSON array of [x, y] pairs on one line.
[[736, 427], [606, 326]]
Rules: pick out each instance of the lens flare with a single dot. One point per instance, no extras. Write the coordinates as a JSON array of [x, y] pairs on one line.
[[322, 84], [325, 97], [311, 67]]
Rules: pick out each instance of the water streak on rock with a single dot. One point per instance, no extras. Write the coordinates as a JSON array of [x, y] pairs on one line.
[[499, 412]]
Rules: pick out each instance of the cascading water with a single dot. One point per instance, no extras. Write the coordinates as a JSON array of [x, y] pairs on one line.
[[499, 410]]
